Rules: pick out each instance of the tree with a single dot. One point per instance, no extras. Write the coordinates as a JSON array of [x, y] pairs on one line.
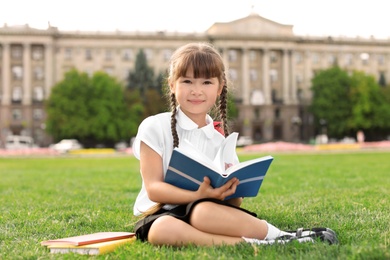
[[142, 78], [366, 101], [66, 111], [92, 110], [351, 103], [330, 101], [145, 90]]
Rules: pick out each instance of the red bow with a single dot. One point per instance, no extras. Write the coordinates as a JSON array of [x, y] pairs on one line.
[[218, 127]]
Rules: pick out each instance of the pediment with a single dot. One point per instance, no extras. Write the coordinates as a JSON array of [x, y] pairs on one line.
[[252, 25]]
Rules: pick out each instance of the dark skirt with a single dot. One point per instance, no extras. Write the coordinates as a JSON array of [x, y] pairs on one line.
[[182, 212]]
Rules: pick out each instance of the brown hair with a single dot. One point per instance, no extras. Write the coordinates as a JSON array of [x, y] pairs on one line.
[[206, 62]]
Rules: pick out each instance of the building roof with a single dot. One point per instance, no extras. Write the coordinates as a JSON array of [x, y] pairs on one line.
[[252, 25]]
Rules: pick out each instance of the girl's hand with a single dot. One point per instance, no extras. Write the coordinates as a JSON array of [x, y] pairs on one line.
[[207, 191]]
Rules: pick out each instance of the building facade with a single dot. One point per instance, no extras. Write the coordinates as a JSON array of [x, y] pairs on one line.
[[269, 67]]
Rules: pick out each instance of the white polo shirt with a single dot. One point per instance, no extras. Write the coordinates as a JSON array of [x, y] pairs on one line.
[[155, 131]]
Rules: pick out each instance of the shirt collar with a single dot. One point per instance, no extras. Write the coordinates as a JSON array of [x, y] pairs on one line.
[[187, 124]]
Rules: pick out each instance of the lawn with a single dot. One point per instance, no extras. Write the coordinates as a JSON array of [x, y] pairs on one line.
[[47, 198]]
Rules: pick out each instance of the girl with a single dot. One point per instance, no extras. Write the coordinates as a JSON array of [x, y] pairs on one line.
[[177, 217]]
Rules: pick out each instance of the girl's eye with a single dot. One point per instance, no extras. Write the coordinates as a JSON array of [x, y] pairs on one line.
[[207, 82], [187, 81]]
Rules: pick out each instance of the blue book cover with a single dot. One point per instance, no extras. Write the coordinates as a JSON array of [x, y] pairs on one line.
[[187, 173]]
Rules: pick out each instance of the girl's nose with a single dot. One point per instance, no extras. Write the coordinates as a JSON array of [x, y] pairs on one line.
[[196, 89]]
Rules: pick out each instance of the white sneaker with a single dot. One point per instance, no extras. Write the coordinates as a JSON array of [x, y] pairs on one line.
[[283, 240]]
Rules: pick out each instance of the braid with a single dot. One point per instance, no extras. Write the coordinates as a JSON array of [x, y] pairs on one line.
[[173, 121], [223, 109]]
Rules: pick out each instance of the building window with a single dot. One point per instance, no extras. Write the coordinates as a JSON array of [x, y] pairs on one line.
[[38, 73], [273, 57], [252, 55], [277, 113], [273, 75], [148, 54], [331, 59], [365, 58], [315, 58], [381, 59], [253, 75], [167, 53], [300, 94], [37, 114], [298, 79], [126, 74], [17, 94], [233, 74], [232, 55], [68, 54], [382, 79], [38, 94], [37, 53], [88, 54], [348, 59], [298, 58], [17, 72], [16, 52], [109, 71], [16, 114], [89, 72], [127, 54], [108, 55]]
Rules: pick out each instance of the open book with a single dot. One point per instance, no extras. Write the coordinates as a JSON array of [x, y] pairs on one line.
[[188, 166]]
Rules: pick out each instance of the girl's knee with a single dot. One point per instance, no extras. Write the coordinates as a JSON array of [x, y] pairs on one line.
[[161, 227], [201, 212]]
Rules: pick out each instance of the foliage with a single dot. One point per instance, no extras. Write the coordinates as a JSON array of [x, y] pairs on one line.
[[330, 100], [232, 107], [145, 90], [92, 110], [47, 198], [142, 77], [366, 102], [350, 103]]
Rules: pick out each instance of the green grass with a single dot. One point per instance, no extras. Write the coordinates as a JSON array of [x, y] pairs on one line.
[[47, 198]]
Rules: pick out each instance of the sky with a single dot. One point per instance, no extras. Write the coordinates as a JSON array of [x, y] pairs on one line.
[[349, 18]]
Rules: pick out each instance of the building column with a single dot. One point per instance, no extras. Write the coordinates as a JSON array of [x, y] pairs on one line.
[[246, 109], [48, 70], [266, 83], [225, 58], [373, 64], [6, 95], [26, 100], [307, 76], [286, 92], [245, 77], [293, 99], [387, 75]]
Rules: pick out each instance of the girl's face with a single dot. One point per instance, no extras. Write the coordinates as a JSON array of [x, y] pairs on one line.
[[196, 96]]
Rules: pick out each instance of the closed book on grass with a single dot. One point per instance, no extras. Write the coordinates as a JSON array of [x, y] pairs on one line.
[[90, 249], [188, 166], [89, 239]]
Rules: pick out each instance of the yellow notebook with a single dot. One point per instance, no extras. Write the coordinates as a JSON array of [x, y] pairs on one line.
[[91, 249]]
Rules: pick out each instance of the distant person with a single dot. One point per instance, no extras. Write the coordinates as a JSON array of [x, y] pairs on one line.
[[176, 217], [360, 136]]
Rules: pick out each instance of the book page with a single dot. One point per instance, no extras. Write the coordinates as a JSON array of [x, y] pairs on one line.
[[191, 151], [226, 155], [244, 164]]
